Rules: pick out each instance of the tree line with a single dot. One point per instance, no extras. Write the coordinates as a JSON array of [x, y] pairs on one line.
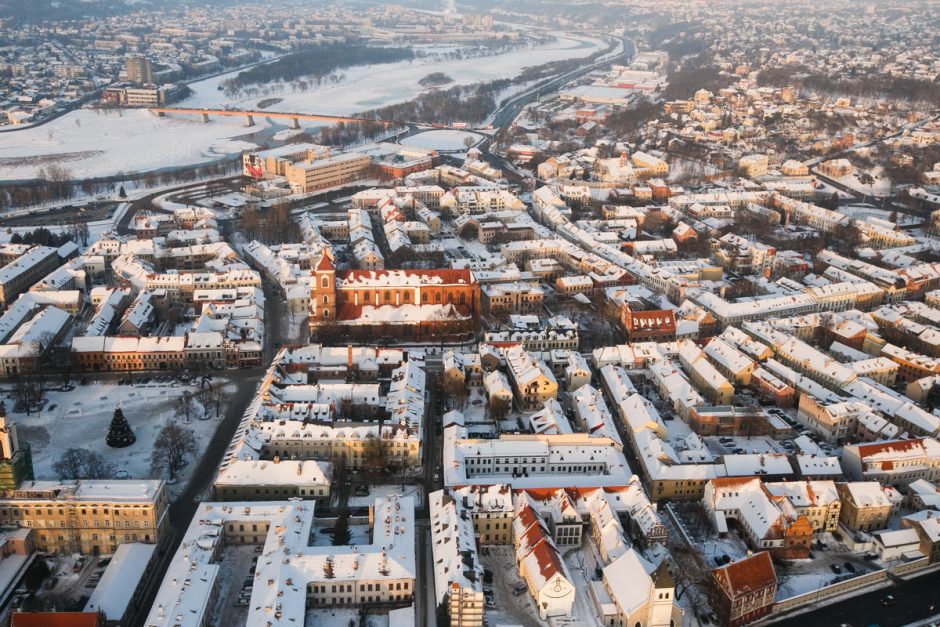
[[873, 85], [53, 183], [316, 61]]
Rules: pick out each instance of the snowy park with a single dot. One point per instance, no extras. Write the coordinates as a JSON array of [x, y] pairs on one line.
[[80, 418], [443, 140]]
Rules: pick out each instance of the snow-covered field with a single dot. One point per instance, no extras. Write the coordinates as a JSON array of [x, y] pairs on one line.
[[92, 144], [80, 418], [446, 140], [369, 86]]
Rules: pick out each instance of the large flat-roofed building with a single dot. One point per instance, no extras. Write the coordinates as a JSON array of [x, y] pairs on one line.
[[274, 162], [291, 576], [325, 172], [89, 517], [138, 69], [259, 480], [19, 275]]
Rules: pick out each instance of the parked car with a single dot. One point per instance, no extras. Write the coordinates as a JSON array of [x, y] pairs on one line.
[[849, 566], [835, 568]]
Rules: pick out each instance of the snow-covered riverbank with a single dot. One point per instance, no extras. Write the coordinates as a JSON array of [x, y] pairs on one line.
[[93, 144]]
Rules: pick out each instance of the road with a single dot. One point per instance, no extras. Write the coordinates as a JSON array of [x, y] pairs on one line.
[[507, 112], [913, 602], [183, 509]]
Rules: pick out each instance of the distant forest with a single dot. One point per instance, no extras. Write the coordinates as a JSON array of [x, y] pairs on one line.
[[873, 85], [317, 61]]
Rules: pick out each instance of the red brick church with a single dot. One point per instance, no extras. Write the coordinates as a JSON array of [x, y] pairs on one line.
[[415, 305]]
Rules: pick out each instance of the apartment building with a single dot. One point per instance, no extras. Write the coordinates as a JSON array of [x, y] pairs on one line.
[[866, 505], [743, 591], [458, 572], [893, 462], [88, 517], [259, 480], [19, 275], [532, 381]]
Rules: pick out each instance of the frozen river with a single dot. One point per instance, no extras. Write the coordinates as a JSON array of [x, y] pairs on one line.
[[94, 144]]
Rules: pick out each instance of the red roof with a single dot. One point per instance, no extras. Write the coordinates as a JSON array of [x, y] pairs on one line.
[[548, 559], [447, 276], [746, 576], [325, 263], [56, 619], [730, 482], [528, 517], [864, 450]]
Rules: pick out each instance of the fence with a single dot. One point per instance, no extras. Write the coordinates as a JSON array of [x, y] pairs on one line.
[[911, 566], [809, 598]]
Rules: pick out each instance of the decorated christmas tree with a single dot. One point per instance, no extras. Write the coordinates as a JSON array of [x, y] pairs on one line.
[[119, 433]]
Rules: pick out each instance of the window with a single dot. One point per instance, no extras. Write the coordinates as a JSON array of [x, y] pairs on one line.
[[325, 282]]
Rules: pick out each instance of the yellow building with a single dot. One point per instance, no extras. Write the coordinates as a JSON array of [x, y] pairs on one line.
[[88, 517], [317, 174], [866, 505], [753, 166], [257, 480]]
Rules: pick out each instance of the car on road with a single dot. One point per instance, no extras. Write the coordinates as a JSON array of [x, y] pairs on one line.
[[835, 568], [888, 600], [850, 567]]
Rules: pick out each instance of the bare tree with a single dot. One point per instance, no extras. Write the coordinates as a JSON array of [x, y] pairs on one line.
[[185, 405], [173, 444], [80, 463], [216, 397]]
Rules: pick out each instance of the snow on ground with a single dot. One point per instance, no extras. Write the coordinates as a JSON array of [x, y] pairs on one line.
[[583, 612], [863, 212], [235, 570], [92, 144], [507, 608], [754, 444], [880, 186], [358, 535], [370, 86], [382, 491], [343, 617], [80, 418], [442, 140]]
